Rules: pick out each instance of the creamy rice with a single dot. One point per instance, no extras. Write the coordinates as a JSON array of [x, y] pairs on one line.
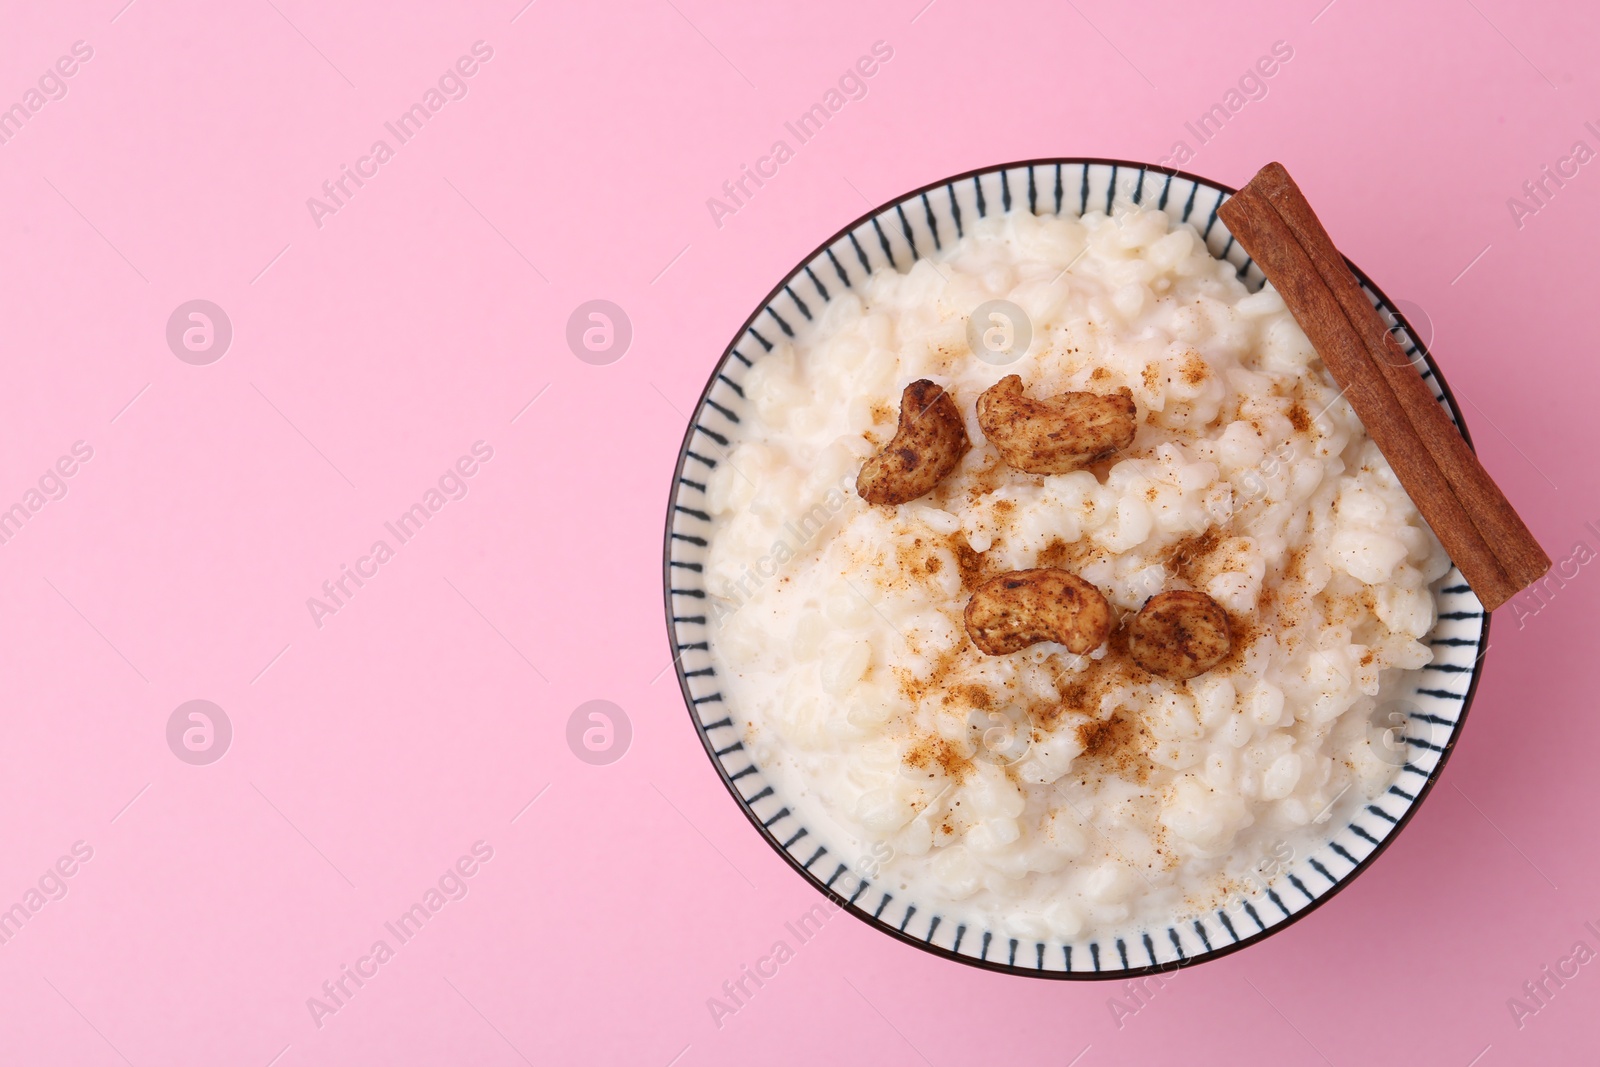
[[1042, 793]]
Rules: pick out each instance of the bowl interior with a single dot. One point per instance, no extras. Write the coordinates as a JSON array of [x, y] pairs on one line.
[[1436, 698]]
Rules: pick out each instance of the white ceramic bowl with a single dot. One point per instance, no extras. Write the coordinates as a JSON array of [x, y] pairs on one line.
[[896, 235]]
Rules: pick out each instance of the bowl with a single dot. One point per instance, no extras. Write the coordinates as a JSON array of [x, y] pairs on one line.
[[1433, 702]]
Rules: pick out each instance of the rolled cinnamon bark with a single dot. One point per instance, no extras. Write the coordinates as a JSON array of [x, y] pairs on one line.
[[1272, 243], [1502, 529]]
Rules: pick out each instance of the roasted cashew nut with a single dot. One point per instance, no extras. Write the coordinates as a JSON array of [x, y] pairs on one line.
[[1179, 634], [1055, 436], [1012, 611], [930, 441]]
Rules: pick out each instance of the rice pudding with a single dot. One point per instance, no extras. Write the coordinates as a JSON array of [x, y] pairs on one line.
[[1044, 792]]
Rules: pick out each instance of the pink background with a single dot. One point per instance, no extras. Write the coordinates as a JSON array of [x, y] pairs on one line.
[[369, 353]]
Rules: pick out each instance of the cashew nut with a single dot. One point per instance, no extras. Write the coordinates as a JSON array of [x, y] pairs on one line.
[[1179, 634], [1055, 436], [930, 441], [1012, 611]]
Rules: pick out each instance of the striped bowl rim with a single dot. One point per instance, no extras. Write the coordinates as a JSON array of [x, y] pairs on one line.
[[872, 240]]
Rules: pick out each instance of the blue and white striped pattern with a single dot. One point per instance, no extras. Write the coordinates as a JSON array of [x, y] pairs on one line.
[[895, 236]]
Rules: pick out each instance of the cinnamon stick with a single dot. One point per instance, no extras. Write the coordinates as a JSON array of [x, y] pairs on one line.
[[1272, 243], [1502, 529]]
